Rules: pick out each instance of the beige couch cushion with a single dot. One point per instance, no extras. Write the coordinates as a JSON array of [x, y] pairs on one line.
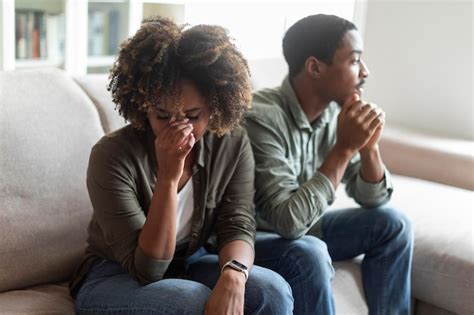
[[442, 216], [47, 127], [44, 299], [347, 288]]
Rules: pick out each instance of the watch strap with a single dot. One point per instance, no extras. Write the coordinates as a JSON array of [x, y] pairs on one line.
[[234, 264]]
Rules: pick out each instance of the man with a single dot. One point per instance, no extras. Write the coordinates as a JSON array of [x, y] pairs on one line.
[[311, 134]]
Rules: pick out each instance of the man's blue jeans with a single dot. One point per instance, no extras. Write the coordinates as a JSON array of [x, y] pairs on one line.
[[109, 289], [385, 237]]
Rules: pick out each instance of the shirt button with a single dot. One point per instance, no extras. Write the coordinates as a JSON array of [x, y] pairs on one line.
[[194, 235]]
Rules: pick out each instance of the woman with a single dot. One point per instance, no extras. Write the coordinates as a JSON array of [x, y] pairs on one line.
[[175, 187]]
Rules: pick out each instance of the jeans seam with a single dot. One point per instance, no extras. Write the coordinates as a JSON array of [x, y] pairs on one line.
[[131, 307], [296, 263], [383, 293]]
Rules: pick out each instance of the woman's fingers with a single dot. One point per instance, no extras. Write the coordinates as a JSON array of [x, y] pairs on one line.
[[175, 132], [180, 133], [187, 145]]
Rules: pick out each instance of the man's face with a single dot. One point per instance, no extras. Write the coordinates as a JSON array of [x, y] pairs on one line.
[[347, 73], [194, 107]]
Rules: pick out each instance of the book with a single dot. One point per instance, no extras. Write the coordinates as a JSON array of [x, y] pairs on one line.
[[96, 33]]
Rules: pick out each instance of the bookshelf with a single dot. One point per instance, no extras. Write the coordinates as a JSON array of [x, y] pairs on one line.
[[79, 36], [39, 33]]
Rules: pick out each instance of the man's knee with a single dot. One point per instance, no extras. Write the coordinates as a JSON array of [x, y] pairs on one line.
[[394, 222], [311, 256]]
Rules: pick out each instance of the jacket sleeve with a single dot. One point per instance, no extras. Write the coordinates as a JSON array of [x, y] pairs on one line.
[[112, 192], [282, 204], [235, 219], [368, 195]]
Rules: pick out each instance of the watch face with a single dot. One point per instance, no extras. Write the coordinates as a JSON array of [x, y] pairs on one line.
[[241, 266]]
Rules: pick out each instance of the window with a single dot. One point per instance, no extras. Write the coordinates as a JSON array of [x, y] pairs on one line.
[[259, 26]]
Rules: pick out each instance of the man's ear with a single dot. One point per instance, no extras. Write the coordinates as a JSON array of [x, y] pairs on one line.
[[314, 67]]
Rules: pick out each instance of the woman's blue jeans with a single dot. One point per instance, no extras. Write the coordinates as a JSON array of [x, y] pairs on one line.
[[109, 289]]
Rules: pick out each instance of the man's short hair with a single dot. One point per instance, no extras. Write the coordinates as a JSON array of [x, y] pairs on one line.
[[316, 35]]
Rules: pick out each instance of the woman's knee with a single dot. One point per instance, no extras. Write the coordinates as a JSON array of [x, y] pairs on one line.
[[168, 296], [178, 294], [267, 292]]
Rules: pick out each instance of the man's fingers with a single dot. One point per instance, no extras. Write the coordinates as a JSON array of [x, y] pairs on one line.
[[349, 101], [377, 121], [366, 109], [355, 109], [371, 114]]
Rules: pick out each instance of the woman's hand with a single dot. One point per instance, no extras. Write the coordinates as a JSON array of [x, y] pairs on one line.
[[227, 297], [172, 146]]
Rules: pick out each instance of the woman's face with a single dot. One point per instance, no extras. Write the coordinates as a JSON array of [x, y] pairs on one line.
[[193, 107]]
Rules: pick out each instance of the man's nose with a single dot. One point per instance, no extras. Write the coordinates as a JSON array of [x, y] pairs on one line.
[[364, 70]]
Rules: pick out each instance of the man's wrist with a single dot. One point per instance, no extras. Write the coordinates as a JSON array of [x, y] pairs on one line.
[[369, 153], [343, 152]]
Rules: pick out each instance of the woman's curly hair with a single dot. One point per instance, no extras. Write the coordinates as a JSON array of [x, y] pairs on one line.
[[151, 64]]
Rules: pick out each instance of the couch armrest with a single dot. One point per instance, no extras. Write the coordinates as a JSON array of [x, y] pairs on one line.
[[446, 161]]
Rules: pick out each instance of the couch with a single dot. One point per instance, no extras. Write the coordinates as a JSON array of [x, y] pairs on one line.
[[48, 123]]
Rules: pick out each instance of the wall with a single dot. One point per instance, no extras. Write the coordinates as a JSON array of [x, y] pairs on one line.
[[420, 57], [7, 22], [259, 25]]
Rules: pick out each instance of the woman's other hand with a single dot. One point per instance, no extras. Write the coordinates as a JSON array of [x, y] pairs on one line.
[[227, 297]]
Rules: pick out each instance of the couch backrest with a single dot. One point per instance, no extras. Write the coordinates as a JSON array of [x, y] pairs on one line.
[[95, 86], [48, 126]]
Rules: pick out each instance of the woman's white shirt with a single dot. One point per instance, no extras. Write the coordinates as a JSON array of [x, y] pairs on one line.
[[185, 211]]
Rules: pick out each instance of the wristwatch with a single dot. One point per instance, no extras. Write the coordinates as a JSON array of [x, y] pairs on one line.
[[236, 265]]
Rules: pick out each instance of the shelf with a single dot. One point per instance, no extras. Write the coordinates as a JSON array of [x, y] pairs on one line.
[[177, 2], [108, 1], [49, 6], [32, 63], [172, 9], [79, 36], [100, 61], [39, 33]]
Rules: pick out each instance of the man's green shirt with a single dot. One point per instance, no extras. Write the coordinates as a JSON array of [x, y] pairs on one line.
[[291, 194]]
